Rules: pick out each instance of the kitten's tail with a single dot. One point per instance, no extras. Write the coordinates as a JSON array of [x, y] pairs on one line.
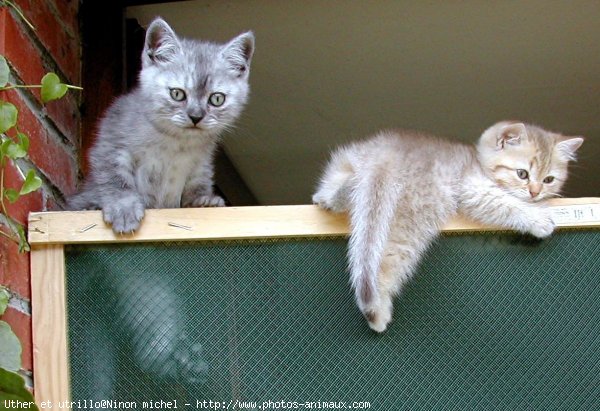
[[372, 205]]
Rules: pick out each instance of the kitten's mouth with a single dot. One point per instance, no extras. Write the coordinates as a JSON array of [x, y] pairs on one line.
[[196, 127]]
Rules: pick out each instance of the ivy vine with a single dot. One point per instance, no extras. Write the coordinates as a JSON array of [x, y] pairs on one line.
[[15, 144]]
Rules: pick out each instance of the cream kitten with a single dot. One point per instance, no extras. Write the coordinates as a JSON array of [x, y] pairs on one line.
[[401, 187]]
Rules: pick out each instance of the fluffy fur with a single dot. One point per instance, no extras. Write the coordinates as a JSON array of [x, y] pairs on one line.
[[401, 187], [156, 144]]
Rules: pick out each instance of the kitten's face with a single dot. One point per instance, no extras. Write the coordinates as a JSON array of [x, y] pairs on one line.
[[527, 161], [193, 87]]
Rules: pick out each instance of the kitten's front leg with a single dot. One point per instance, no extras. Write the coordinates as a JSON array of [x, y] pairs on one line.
[[541, 222], [198, 191], [489, 204], [114, 190]]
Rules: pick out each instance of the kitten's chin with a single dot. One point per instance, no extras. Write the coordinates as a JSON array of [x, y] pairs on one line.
[[538, 199], [198, 132]]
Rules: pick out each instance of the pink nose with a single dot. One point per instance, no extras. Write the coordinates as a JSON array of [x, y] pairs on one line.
[[534, 194]]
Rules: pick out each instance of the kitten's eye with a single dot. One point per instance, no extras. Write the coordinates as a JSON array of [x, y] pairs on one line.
[[523, 174], [177, 94], [548, 179], [216, 99]]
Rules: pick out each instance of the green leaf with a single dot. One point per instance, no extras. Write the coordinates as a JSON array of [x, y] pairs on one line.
[[23, 140], [52, 88], [3, 71], [14, 150], [23, 244], [4, 297], [31, 183], [8, 116], [10, 348], [4, 146], [11, 194], [12, 387]]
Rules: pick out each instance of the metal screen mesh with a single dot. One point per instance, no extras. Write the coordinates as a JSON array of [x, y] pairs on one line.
[[491, 322]]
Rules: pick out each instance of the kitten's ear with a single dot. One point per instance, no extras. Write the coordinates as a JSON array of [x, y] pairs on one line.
[[162, 44], [567, 146], [238, 53], [511, 134]]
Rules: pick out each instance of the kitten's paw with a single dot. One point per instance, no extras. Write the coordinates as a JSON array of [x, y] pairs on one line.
[[327, 202], [191, 366], [379, 316], [207, 201], [318, 200], [125, 214], [542, 225], [378, 320]]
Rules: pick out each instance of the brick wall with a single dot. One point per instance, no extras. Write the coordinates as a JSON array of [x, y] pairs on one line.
[[53, 130]]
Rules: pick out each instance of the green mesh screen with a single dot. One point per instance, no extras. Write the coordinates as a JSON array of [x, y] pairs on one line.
[[491, 322]]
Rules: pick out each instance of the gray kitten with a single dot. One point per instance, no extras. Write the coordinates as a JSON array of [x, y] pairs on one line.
[[156, 145]]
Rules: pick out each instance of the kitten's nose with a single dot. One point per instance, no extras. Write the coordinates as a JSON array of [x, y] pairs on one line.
[[534, 189], [195, 119]]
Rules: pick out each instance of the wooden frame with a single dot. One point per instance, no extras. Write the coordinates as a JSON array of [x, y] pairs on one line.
[[50, 231]]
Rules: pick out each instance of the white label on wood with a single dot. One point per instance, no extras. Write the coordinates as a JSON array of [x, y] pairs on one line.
[[584, 213]]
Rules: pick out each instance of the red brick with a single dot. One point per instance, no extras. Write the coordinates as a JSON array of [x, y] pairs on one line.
[[14, 268], [65, 114], [68, 12], [19, 51], [49, 155], [30, 202], [21, 326], [23, 56], [63, 46]]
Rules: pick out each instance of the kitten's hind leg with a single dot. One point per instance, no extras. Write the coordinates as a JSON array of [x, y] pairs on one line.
[[379, 315], [84, 200], [334, 187], [399, 262]]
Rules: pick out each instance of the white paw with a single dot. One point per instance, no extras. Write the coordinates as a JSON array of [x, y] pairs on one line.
[[542, 225], [317, 199], [379, 316], [208, 201], [327, 202], [379, 320], [124, 214]]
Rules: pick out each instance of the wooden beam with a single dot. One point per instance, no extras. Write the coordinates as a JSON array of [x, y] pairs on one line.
[[249, 222], [48, 306]]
